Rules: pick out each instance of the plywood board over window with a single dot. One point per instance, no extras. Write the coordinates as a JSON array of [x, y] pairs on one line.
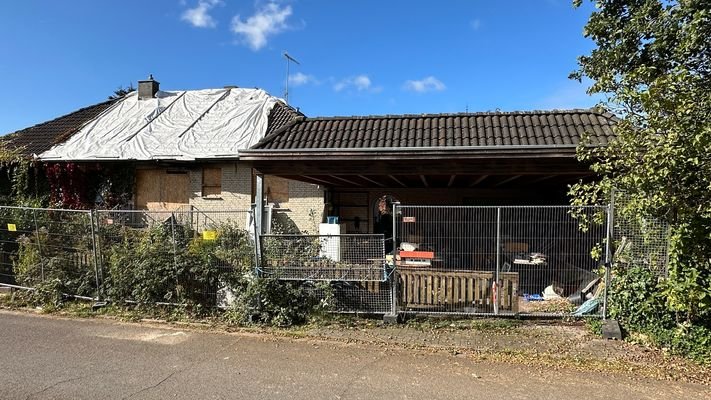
[[277, 189], [211, 181], [158, 189]]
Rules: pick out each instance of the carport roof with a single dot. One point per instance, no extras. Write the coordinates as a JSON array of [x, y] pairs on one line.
[[522, 130]]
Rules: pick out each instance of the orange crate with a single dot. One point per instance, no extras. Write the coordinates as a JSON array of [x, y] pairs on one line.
[[417, 254]]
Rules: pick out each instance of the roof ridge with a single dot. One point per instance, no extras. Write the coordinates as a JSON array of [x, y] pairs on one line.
[[592, 110]]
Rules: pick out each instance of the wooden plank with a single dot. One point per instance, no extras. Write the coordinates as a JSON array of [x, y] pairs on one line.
[[397, 180], [365, 178], [479, 180], [507, 180]]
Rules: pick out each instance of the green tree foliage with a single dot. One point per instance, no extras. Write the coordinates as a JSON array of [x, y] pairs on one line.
[[122, 91], [653, 61]]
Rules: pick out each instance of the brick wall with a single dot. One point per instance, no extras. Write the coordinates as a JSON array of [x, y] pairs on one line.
[[236, 188], [303, 205]]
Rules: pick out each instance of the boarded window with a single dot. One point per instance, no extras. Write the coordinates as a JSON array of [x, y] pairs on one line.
[[157, 189], [211, 181], [277, 189]]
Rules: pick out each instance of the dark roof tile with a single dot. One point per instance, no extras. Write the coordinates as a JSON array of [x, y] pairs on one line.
[[41, 137], [534, 128]]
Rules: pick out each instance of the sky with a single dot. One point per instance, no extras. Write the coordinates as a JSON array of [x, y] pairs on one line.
[[362, 57]]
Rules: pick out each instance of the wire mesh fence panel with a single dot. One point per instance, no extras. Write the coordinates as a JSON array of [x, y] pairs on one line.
[[352, 267], [639, 240], [324, 257], [183, 256], [556, 253], [447, 258], [49, 245], [496, 260]]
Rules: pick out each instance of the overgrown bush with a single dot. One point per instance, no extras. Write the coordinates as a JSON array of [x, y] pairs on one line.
[[166, 263], [278, 303], [57, 255], [638, 300]]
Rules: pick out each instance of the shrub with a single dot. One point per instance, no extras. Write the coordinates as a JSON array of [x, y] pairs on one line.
[[638, 300]]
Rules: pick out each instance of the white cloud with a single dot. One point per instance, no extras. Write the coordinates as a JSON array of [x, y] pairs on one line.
[[199, 16], [299, 79], [360, 83], [475, 24], [427, 84], [268, 21]]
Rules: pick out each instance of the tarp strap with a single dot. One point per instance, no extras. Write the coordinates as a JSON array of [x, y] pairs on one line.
[[154, 118]]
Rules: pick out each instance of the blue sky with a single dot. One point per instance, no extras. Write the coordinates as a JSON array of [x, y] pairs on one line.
[[357, 57]]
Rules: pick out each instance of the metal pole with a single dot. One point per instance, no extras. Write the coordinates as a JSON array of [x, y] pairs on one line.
[[608, 251], [96, 254], [393, 275], [258, 213], [175, 246], [39, 244], [257, 244], [498, 260]]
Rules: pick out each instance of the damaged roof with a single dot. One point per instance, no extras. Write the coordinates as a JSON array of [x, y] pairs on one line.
[[177, 125], [522, 129]]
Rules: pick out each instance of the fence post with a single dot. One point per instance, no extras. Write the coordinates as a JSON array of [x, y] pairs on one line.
[[257, 241], [498, 261], [393, 274], [175, 245], [39, 244], [94, 238], [608, 251]]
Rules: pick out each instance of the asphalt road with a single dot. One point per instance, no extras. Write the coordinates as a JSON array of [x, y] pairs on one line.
[[49, 358]]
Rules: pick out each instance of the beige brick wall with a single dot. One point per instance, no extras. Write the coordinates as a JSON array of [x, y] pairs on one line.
[[236, 188], [305, 206]]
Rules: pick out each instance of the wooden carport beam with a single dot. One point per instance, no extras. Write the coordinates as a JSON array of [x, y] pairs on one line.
[[478, 181], [365, 178], [424, 181], [507, 180], [451, 180], [329, 183], [397, 180], [345, 180], [543, 178]]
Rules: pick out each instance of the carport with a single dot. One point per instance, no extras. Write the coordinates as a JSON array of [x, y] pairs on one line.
[[483, 195]]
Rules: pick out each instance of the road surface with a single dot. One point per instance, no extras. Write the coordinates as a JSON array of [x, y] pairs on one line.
[[51, 358]]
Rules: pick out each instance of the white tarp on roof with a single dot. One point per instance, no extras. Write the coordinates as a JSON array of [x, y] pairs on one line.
[[180, 125]]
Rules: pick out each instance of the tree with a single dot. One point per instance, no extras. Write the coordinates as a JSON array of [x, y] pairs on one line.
[[122, 91], [653, 60]]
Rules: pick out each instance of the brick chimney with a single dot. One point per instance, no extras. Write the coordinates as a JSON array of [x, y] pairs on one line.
[[147, 89]]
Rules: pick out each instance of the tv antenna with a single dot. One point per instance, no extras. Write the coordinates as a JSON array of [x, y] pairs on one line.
[[289, 60]]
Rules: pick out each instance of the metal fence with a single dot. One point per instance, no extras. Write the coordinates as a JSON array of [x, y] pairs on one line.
[[188, 254], [353, 267], [500, 260], [49, 245], [639, 240], [530, 260]]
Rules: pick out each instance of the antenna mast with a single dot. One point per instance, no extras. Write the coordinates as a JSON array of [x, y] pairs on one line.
[[289, 60]]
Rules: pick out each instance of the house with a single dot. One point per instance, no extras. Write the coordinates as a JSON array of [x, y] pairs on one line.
[[177, 149]]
